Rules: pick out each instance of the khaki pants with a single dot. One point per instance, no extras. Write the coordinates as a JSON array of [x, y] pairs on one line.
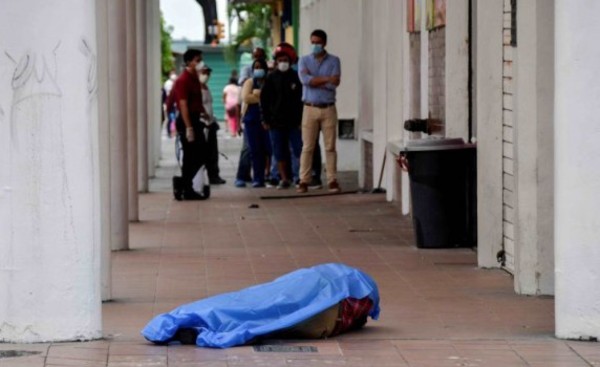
[[313, 120], [319, 326]]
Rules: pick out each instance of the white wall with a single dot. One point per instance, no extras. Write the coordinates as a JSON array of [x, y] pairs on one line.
[[457, 69], [380, 80], [154, 83], [396, 86], [117, 106], [577, 169], [340, 19], [132, 109], [368, 36], [142, 94], [365, 79], [489, 131], [50, 263], [533, 148], [103, 141]]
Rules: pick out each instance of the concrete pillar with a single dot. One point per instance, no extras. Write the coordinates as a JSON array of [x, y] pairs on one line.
[[365, 80], [142, 95], [533, 149], [489, 128], [380, 81], [154, 83], [577, 170], [117, 76], [395, 18], [457, 70], [424, 61], [103, 131], [413, 66], [396, 21], [132, 110], [50, 262]]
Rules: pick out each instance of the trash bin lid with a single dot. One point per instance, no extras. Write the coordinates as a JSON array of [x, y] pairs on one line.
[[420, 145]]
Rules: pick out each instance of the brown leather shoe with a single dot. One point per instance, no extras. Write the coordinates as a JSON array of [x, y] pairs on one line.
[[302, 188], [334, 186]]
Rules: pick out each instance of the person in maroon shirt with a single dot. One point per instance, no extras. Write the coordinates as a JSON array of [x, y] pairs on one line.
[[187, 95]]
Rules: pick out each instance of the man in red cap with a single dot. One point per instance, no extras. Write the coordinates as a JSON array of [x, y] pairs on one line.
[[281, 103]]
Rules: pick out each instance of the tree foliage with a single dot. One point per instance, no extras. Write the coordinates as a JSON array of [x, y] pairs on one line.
[[254, 24], [167, 60]]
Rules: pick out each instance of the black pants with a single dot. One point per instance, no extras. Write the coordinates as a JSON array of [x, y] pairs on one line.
[[317, 164], [194, 153], [212, 151], [245, 163]]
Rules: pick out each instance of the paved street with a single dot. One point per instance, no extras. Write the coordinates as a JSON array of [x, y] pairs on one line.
[[437, 307]]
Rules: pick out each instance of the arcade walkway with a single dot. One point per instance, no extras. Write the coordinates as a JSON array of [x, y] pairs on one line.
[[438, 308]]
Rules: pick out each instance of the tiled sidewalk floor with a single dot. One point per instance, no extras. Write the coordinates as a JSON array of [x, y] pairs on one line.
[[438, 308]]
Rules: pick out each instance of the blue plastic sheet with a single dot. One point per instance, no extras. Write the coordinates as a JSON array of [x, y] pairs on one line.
[[236, 318]]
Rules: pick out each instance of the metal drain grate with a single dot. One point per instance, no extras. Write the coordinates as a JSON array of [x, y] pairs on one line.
[[16, 353], [285, 349]]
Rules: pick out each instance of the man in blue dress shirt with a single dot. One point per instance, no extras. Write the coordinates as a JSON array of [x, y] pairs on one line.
[[320, 74]]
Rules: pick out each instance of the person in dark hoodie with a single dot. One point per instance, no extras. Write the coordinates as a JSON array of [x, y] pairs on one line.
[[281, 104]]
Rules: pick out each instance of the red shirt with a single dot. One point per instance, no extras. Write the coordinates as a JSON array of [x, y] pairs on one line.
[[188, 87], [353, 314]]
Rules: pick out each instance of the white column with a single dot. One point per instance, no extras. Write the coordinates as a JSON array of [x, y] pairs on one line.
[[577, 170], [103, 131], [395, 21], [365, 82], [142, 95], [380, 81], [50, 262], [117, 75], [132, 110], [489, 128], [154, 84], [424, 61], [534, 153], [457, 70]]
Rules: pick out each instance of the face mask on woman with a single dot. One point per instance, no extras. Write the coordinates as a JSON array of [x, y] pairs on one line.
[[203, 78], [283, 66], [259, 73]]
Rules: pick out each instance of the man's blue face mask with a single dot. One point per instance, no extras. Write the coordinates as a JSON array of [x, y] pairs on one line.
[[317, 48]]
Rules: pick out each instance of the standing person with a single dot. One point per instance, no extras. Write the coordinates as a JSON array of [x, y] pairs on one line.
[[281, 103], [187, 93], [231, 101], [320, 73], [212, 144], [245, 164], [258, 54], [255, 134], [234, 74], [168, 110]]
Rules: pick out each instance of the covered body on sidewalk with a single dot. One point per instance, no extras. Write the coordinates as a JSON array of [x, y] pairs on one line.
[[241, 317]]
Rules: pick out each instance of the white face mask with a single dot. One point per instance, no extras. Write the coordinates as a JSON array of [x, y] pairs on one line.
[[203, 78], [173, 77], [199, 66], [283, 66]]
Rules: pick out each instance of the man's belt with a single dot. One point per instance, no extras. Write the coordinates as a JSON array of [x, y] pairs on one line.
[[319, 105]]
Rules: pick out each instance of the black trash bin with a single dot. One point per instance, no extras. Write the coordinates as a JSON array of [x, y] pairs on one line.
[[443, 191]]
